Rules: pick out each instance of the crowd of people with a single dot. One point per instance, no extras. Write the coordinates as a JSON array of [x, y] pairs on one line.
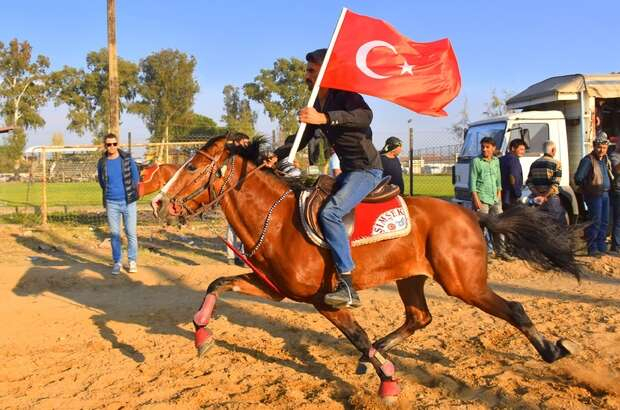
[[496, 184]]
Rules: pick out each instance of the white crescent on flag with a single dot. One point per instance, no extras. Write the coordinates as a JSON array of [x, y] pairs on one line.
[[362, 55]]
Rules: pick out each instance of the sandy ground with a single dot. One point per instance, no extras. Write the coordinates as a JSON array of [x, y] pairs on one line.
[[72, 336]]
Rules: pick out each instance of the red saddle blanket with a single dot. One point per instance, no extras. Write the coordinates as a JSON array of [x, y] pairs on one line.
[[367, 223]]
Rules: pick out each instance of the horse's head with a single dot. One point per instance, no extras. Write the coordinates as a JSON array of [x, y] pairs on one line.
[[147, 171], [199, 181]]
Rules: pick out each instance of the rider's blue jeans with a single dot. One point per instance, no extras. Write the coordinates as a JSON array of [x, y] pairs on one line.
[[117, 210], [352, 187]]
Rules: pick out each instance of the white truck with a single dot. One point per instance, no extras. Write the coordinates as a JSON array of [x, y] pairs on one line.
[[561, 109]]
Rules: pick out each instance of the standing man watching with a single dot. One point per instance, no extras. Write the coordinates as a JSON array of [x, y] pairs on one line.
[[512, 173], [614, 157], [344, 118], [594, 177], [485, 185], [391, 163], [544, 182], [118, 177]]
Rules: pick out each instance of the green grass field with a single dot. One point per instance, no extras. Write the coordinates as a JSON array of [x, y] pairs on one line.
[[431, 185], [58, 194], [89, 194]]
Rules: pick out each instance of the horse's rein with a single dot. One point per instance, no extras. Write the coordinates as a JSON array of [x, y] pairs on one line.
[[210, 169], [215, 202]]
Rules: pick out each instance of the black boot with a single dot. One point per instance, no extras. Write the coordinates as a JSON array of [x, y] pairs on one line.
[[344, 295]]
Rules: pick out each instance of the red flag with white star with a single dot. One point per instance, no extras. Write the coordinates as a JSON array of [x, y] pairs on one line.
[[371, 57]]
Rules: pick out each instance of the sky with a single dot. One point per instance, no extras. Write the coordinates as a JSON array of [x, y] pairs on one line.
[[505, 46]]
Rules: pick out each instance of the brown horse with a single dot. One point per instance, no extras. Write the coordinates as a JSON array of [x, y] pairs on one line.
[[154, 177], [445, 244]]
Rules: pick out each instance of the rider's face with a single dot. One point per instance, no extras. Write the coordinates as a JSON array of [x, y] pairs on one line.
[[312, 72]]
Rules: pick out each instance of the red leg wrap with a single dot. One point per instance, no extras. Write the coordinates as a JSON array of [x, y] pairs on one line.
[[388, 369], [389, 388], [203, 339], [201, 318]]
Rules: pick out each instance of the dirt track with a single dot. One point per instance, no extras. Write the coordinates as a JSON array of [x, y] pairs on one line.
[[72, 336]]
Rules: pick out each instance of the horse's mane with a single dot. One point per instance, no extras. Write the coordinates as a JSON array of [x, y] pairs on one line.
[[255, 152]]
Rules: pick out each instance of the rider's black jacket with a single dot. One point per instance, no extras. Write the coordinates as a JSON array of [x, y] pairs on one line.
[[347, 131]]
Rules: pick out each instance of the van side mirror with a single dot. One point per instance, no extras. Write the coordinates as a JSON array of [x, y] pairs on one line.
[[525, 135]]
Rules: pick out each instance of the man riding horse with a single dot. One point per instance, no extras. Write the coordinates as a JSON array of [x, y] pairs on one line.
[[344, 118]]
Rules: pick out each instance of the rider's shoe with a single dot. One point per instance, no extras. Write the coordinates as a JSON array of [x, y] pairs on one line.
[[344, 295]]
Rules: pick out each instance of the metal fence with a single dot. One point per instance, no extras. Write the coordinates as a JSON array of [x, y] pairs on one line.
[[61, 183], [432, 171]]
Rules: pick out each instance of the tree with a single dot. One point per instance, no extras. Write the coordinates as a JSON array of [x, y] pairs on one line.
[[238, 114], [86, 92], [497, 105], [167, 90], [200, 125], [282, 91], [58, 139], [22, 93], [458, 128]]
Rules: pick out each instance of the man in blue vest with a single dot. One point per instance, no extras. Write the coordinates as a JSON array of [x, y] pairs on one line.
[[118, 177]]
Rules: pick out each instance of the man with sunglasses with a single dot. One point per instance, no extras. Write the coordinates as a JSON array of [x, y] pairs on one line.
[[118, 176]]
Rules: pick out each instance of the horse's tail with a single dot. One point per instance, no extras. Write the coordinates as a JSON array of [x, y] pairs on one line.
[[533, 235]]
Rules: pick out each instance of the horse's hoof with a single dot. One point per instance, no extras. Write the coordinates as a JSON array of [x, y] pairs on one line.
[[203, 340], [363, 367], [568, 346], [389, 391]]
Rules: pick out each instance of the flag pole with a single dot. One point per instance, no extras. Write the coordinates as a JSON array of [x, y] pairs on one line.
[[317, 85]]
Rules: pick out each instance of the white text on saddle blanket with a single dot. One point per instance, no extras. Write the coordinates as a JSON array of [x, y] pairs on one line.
[[391, 221], [367, 223]]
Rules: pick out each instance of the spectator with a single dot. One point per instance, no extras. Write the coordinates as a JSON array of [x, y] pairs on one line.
[[512, 173], [118, 177], [594, 177], [391, 163], [614, 157], [544, 182], [485, 185]]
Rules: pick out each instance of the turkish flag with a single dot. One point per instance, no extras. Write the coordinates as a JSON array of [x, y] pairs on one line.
[[371, 57]]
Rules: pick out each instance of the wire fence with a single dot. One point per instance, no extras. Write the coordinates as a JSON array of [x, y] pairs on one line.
[[61, 183], [432, 171]]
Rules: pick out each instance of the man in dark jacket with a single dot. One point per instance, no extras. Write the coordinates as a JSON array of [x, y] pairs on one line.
[[344, 118], [391, 163], [614, 157], [594, 177], [118, 177], [544, 182], [512, 173]]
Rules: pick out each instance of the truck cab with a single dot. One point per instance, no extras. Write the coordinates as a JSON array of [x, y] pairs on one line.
[[535, 128]]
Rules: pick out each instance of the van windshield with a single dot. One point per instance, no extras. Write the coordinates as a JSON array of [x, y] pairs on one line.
[[471, 146]]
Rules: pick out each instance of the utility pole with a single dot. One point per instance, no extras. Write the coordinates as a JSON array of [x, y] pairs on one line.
[[410, 157], [113, 120]]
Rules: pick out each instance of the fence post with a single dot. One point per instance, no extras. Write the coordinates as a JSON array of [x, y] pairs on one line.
[[410, 160], [44, 190]]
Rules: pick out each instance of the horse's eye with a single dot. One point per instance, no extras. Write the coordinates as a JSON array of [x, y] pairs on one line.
[[191, 167]]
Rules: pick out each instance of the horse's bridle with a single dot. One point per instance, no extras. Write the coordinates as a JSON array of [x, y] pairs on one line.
[[229, 166]]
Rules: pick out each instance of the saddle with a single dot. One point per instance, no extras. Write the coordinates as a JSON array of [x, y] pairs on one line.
[[384, 198]]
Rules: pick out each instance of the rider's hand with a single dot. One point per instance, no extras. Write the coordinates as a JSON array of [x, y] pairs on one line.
[[288, 170], [270, 161], [311, 116]]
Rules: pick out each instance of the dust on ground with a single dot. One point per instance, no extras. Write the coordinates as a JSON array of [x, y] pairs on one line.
[[73, 336]]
